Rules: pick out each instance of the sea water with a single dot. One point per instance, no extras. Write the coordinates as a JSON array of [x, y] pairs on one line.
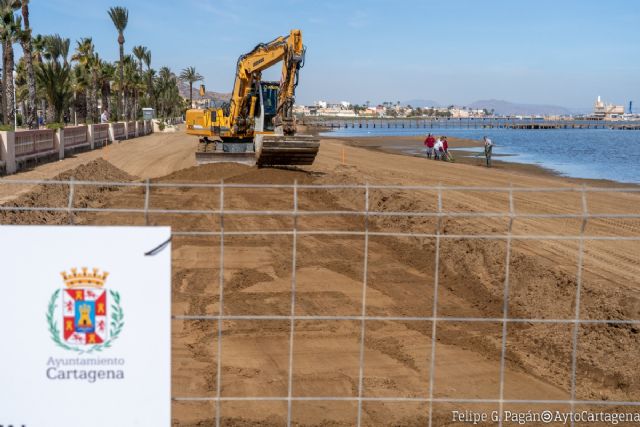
[[579, 153]]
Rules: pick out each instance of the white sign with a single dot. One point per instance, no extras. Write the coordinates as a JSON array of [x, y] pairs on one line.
[[85, 325]]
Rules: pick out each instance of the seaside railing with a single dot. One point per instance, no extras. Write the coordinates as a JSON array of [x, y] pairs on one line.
[[77, 136], [101, 134], [368, 230], [119, 130], [131, 129], [17, 148], [34, 143]]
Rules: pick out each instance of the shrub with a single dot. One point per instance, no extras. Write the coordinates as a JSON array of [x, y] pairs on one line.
[[55, 126]]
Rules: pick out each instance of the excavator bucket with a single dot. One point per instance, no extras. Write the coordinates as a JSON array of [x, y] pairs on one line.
[[219, 152], [283, 150], [270, 150]]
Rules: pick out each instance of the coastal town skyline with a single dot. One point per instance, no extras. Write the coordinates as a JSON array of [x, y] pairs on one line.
[[455, 54]]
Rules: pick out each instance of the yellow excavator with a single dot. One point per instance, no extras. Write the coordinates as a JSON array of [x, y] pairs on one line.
[[257, 126]]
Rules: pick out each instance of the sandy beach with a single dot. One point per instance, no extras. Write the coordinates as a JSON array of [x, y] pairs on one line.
[[543, 283], [459, 148]]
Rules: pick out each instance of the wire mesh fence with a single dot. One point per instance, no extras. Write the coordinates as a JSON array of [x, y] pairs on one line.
[[369, 220]]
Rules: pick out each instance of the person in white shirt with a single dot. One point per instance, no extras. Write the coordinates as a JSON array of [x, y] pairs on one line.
[[438, 149], [488, 147], [104, 118]]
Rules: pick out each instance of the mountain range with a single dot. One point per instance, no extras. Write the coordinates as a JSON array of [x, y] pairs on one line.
[[217, 97], [510, 108]]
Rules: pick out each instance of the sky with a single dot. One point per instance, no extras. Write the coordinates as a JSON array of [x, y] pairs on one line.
[[560, 52]]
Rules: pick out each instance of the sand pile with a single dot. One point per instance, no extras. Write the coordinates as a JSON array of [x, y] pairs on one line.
[[57, 196]]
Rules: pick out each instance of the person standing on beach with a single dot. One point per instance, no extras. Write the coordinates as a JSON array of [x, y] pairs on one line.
[[488, 147], [429, 143], [438, 150], [445, 148]]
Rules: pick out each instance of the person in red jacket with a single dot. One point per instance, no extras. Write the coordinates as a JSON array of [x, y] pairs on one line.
[[429, 143], [445, 148]]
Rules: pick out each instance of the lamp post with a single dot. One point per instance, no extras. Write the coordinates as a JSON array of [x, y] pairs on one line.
[[15, 102]]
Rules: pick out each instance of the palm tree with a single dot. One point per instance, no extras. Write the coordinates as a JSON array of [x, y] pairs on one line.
[[131, 84], [167, 93], [9, 30], [105, 77], [190, 75], [55, 80], [87, 59], [147, 59], [39, 45], [139, 52], [54, 76], [56, 49], [80, 92], [25, 42], [120, 17], [147, 62]]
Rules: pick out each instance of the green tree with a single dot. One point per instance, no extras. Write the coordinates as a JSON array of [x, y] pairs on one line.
[[169, 101], [148, 77], [88, 62], [191, 76], [55, 65], [120, 17], [10, 26], [56, 50], [27, 48], [139, 52], [106, 74], [55, 80]]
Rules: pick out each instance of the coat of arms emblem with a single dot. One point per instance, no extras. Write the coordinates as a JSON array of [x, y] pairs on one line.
[[91, 317]]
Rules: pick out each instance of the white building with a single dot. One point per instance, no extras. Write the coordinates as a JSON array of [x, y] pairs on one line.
[[607, 111], [336, 112], [458, 113], [301, 109]]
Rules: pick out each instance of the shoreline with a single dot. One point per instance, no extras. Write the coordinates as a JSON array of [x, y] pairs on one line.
[[390, 144]]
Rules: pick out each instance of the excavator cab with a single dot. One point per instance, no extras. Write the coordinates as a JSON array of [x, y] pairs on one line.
[[266, 107]]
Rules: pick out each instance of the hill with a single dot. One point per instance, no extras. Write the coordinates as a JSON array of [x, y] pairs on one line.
[[217, 97]]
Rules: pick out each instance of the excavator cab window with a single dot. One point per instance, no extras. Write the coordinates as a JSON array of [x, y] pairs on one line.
[[270, 98], [270, 103]]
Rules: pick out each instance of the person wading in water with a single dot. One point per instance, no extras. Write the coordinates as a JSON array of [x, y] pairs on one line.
[[488, 147]]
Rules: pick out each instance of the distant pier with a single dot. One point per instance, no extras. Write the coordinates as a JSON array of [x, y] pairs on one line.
[[471, 123]]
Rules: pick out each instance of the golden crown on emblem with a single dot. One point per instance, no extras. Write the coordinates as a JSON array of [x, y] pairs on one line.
[[84, 278]]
